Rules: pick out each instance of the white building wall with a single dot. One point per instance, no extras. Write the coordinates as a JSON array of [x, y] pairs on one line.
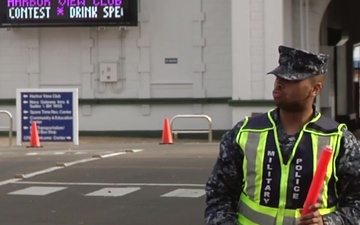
[[135, 117], [307, 18], [241, 61], [217, 51], [197, 33], [14, 62], [259, 23], [223, 49], [264, 25], [257, 31]]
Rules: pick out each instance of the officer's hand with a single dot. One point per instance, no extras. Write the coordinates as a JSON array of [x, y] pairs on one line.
[[313, 217]]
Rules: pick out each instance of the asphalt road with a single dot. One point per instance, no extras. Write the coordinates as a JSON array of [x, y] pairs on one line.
[[105, 183]]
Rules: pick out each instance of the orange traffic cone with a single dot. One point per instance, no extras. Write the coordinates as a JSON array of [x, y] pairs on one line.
[[167, 134], [34, 136]]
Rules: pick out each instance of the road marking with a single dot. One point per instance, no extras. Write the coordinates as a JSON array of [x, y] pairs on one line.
[[59, 153], [37, 191], [109, 184], [107, 192], [185, 193], [112, 154], [51, 169], [106, 154], [137, 150], [9, 181], [80, 153], [48, 170], [32, 153], [79, 161], [113, 192]]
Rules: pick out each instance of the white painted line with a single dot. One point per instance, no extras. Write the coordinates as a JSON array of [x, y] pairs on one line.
[[32, 153], [111, 184], [37, 191], [56, 168], [59, 153], [133, 150], [112, 154], [79, 153], [51, 169], [9, 181], [113, 192], [80, 161], [185, 193], [138, 150], [48, 170]]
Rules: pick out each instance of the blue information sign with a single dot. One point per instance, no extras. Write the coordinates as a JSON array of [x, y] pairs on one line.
[[53, 113]]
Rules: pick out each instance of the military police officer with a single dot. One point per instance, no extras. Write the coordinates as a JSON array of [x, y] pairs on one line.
[[266, 163]]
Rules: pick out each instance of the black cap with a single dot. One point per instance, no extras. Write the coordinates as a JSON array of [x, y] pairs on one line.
[[295, 64]]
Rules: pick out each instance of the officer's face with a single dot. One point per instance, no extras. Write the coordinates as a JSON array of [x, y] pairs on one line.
[[293, 95]]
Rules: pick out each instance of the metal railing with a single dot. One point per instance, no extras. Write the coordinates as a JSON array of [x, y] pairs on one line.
[[10, 127], [208, 118]]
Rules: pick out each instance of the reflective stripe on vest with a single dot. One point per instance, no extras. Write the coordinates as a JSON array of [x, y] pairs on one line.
[[252, 209], [249, 214]]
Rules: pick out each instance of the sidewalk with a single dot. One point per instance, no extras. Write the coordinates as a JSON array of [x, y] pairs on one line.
[[101, 140]]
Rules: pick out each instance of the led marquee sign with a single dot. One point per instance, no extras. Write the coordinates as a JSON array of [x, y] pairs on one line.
[[20, 13]]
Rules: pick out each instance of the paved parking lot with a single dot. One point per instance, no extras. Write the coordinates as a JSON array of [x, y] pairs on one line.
[[105, 181]]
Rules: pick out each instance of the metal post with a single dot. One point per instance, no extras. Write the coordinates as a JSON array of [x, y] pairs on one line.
[[10, 124], [208, 118]]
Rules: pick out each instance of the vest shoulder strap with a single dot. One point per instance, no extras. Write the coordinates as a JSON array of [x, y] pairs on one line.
[[258, 122], [262, 121], [324, 125]]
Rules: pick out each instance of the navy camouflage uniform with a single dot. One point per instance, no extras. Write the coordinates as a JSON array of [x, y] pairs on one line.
[[224, 185]]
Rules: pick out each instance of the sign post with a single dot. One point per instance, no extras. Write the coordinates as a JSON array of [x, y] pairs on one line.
[[55, 112]]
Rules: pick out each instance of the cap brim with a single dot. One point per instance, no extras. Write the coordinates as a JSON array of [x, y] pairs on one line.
[[286, 74]]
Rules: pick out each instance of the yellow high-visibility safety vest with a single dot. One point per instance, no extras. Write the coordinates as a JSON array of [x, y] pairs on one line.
[[274, 191]]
